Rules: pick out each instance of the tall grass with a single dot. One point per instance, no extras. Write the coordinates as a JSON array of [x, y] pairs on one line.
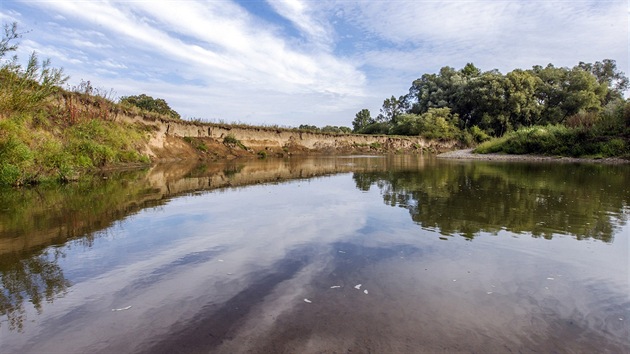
[[558, 140], [47, 133], [32, 153]]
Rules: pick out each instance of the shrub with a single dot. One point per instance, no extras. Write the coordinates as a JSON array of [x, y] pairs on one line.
[[231, 140], [478, 134], [148, 103], [614, 147]]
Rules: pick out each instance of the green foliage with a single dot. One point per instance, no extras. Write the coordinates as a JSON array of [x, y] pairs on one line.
[[23, 89], [376, 128], [333, 129], [232, 141], [31, 153], [10, 35], [262, 154], [310, 128], [150, 104], [437, 123], [486, 197], [391, 109], [361, 120], [46, 132], [556, 140], [478, 135], [472, 106], [15, 155]]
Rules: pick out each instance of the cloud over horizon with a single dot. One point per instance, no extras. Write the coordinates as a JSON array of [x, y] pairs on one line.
[[292, 62]]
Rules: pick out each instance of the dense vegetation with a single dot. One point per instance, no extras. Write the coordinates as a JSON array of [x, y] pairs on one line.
[[570, 111], [330, 129], [47, 133]]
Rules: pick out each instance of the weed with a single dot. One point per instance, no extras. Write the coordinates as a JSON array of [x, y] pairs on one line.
[[232, 141], [196, 143]]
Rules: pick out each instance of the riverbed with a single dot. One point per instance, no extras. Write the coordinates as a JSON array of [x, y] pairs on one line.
[[381, 254]]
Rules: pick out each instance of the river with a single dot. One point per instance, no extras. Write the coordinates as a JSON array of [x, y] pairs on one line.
[[388, 254]]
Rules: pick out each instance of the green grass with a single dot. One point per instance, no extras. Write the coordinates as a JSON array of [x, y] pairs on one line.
[[557, 140], [32, 152]]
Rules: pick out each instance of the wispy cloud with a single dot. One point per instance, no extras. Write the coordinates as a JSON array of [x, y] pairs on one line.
[[303, 16], [507, 33]]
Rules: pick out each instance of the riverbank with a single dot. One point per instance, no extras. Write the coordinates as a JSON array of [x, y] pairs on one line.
[[467, 154]]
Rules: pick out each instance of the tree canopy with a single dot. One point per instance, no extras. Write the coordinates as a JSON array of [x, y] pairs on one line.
[[150, 104], [494, 103]]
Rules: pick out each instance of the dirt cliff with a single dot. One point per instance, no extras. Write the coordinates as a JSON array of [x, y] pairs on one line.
[[179, 140]]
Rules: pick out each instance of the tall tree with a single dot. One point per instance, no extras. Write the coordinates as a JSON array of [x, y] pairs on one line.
[[607, 74], [391, 109], [361, 120]]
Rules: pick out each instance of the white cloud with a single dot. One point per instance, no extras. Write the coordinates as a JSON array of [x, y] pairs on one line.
[[219, 41], [301, 14], [499, 34]]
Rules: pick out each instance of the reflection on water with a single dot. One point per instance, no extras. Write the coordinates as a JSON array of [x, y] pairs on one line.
[[586, 201], [220, 257]]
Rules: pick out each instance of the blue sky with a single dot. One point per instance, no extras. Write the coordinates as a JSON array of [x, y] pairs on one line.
[[292, 62]]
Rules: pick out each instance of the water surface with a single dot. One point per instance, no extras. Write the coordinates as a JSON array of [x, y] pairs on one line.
[[362, 254]]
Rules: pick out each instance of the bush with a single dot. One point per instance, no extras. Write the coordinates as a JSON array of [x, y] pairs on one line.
[[150, 104], [478, 135], [614, 147], [232, 141], [556, 140]]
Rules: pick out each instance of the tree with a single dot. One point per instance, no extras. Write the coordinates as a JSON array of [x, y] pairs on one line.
[[25, 88], [10, 34], [150, 104], [607, 74], [392, 108], [521, 103], [361, 120], [470, 71], [436, 91]]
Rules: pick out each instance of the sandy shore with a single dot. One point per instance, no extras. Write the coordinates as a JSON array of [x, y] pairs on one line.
[[467, 154]]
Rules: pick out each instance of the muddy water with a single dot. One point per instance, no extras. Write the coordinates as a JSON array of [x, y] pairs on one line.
[[366, 254]]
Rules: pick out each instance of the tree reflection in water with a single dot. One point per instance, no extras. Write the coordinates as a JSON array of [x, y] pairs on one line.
[[586, 201], [34, 279]]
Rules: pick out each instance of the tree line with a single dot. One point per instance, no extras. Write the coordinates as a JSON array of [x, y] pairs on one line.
[[472, 105]]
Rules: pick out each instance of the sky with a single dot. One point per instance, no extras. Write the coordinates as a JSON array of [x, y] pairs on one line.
[[293, 62]]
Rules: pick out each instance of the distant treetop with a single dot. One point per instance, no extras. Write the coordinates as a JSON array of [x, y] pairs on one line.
[[150, 104]]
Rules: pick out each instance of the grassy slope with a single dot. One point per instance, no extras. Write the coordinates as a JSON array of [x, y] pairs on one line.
[[62, 139]]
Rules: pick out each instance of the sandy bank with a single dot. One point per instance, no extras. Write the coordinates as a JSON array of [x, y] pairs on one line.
[[467, 154]]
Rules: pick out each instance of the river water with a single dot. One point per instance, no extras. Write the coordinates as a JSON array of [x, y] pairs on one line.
[[400, 254]]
